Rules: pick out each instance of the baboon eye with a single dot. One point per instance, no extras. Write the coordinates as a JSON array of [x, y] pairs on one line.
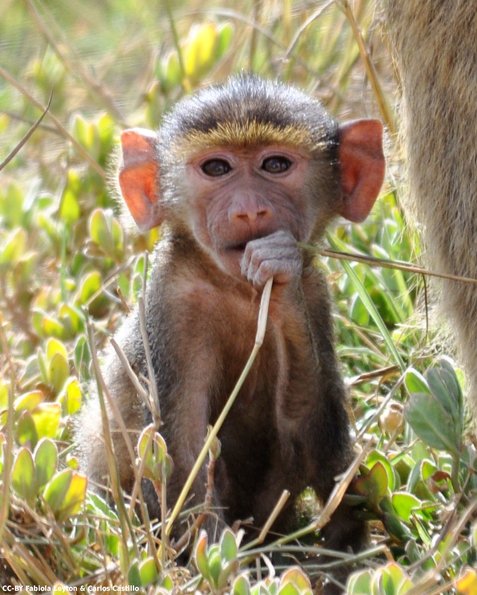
[[276, 164], [216, 167]]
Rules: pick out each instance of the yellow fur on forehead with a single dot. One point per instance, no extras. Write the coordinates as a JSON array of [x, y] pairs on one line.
[[249, 133]]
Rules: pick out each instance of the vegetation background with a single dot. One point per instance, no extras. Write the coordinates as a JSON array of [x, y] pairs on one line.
[[69, 272]]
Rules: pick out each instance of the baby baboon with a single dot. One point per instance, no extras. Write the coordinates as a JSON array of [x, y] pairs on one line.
[[237, 175]]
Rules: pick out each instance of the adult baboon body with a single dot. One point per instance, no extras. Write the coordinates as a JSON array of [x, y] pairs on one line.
[[435, 45]]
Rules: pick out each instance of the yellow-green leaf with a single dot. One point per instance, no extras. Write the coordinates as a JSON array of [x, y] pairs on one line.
[[56, 489], [74, 497], [28, 401], [466, 584], [58, 371], [199, 53], [70, 397], [53, 346], [46, 418], [46, 458], [26, 432], [23, 475]]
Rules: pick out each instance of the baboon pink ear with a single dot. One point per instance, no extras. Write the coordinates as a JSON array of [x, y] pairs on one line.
[[139, 177], [361, 166]]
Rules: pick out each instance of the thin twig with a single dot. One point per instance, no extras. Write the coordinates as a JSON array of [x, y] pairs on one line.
[[61, 129], [24, 140], [142, 392]]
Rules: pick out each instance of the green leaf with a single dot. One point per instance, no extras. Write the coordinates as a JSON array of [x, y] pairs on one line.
[[226, 32], [241, 585], [26, 432], [445, 387], [70, 397], [82, 357], [100, 229], [415, 382], [23, 475], [148, 572], [360, 583], [405, 504], [288, 589], [392, 580], [373, 485], [436, 429], [200, 555], [71, 319], [134, 576], [69, 210], [56, 489], [74, 497], [58, 371], [394, 526], [172, 72], [358, 312], [83, 131], [214, 564], [45, 325], [46, 460], [89, 287], [375, 457], [228, 546]]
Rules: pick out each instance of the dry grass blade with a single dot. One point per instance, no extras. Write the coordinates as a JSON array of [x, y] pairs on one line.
[[304, 26], [271, 519], [383, 104]]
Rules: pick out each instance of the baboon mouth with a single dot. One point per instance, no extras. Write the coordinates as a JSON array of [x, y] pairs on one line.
[[239, 246]]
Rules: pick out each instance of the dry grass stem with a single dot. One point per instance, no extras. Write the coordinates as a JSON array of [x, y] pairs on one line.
[[390, 264], [273, 516], [261, 326]]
